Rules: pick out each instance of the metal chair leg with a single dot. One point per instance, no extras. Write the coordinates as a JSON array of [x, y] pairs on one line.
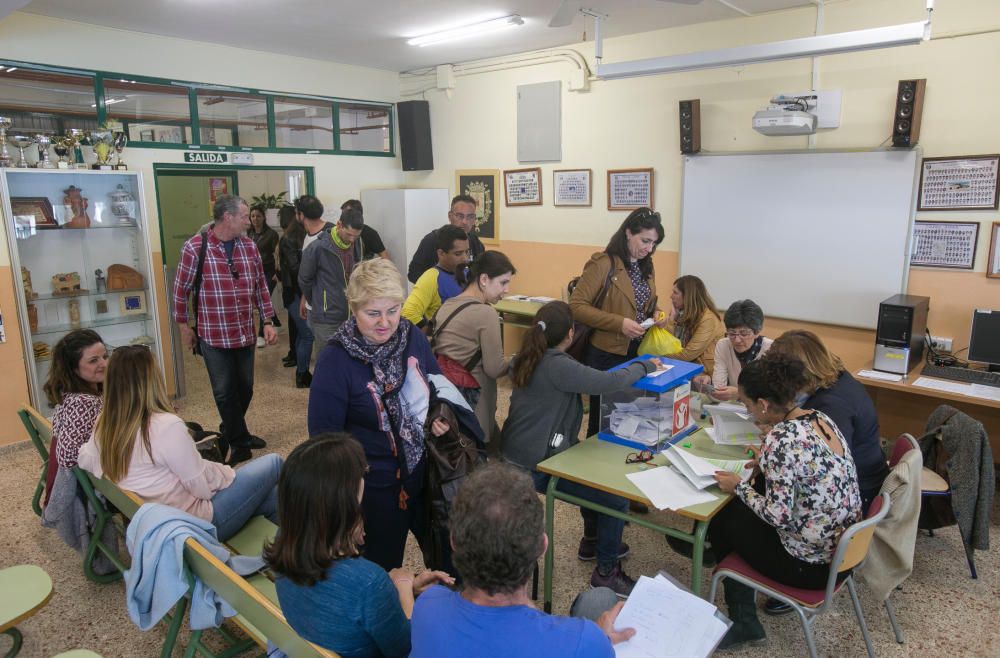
[[892, 620], [861, 616], [807, 631], [972, 563], [16, 636]]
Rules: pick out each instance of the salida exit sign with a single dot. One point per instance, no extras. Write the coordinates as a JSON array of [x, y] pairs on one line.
[[217, 157]]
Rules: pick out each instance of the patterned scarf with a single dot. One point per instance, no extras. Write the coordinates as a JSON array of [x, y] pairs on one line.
[[749, 355], [388, 363]]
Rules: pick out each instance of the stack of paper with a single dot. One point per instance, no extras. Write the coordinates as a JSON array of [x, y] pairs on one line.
[[731, 427], [700, 471], [667, 489], [654, 608], [639, 421]]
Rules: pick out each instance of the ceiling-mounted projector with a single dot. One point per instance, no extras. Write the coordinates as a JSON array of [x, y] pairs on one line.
[[787, 116], [784, 122]]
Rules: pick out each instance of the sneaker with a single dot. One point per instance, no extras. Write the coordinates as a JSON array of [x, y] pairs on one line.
[[774, 607], [617, 580], [588, 550], [260, 342], [686, 549], [257, 443]]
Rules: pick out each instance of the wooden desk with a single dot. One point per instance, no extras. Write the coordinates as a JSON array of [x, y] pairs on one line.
[[601, 465], [903, 407]]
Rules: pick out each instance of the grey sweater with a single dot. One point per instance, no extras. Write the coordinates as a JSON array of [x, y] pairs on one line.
[[550, 404]]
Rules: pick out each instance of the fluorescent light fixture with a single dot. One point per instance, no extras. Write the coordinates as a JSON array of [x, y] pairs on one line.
[[11, 69], [824, 44], [466, 31], [111, 101]]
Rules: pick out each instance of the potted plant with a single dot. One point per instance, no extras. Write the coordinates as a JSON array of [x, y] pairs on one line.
[[270, 203]]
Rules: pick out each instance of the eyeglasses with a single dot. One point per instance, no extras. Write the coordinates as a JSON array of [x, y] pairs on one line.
[[459, 215], [639, 457], [233, 271], [742, 334]]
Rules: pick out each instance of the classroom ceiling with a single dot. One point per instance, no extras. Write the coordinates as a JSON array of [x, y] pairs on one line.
[[374, 32]]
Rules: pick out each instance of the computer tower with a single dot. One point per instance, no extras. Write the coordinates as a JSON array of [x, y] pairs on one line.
[[899, 338]]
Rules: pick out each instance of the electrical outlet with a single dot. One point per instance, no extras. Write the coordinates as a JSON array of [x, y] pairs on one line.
[[941, 344]]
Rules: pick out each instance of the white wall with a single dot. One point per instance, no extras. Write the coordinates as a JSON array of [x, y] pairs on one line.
[[43, 40], [633, 123]]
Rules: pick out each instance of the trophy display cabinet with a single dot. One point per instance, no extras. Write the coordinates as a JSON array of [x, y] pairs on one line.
[[79, 240]]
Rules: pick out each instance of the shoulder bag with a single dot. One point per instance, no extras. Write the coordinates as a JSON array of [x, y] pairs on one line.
[[581, 332]]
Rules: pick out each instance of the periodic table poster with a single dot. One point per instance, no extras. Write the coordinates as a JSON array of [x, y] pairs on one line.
[[945, 244]]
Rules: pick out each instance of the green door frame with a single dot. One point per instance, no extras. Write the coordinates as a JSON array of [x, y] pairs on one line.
[[174, 169]]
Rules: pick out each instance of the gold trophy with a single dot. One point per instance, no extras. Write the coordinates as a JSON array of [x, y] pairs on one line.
[[44, 142], [5, 123], [102, 140], [120, 140]]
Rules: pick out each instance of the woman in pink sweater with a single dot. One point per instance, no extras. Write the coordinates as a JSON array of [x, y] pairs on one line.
[[142, 446]]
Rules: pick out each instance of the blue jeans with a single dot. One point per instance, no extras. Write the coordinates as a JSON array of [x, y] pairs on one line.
[[231, 373], [304, 341], [254, 492], [607, 529]]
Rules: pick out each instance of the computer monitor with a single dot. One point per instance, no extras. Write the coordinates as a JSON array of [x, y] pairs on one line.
[[984, 344]]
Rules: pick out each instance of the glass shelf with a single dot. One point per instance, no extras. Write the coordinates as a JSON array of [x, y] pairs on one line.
[[103, 227], [39, 297], [62, 328]]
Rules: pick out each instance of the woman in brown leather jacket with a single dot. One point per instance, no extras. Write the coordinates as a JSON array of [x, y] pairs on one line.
[[626, 267]]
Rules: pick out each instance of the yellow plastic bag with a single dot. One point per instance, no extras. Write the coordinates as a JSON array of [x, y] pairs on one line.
[[659, 342]]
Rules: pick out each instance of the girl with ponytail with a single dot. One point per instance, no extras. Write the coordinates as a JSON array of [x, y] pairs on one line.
[[545, 417]]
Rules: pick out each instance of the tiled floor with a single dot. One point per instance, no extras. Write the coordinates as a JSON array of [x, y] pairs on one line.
[[942, 611]]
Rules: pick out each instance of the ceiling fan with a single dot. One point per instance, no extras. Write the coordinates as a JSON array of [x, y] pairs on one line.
[[568, 10]]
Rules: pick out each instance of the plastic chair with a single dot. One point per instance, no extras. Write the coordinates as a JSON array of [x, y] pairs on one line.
[[809, 604], [27, 588], [40, 432]]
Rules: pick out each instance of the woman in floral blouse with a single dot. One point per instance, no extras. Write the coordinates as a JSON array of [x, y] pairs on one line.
[[73, 388], [788, 528]]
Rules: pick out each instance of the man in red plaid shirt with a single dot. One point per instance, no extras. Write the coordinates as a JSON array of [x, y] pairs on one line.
[[233, 286]]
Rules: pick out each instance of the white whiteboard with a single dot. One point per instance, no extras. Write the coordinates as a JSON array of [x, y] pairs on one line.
[[813, 236]]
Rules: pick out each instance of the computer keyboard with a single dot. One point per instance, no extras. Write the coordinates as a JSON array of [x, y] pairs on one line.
[[966, 375]]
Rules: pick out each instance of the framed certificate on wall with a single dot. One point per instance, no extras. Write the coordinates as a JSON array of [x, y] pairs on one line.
[[629, 189], [523, 186], [571, 187]]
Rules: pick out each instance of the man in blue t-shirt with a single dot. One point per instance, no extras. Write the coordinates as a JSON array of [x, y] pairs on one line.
[[497, 535]]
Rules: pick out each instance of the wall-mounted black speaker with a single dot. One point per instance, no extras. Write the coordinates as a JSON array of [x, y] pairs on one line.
[[909, 109], [690, 122], [415, 135]]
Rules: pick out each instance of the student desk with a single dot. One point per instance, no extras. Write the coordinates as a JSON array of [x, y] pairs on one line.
[[903, 407], [517, 313], [601, 465]]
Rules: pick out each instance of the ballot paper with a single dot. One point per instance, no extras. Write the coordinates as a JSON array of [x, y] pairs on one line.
[[539, 299], [731, 427], [642, 421], [701, 471], [668, 489], [668, 622]]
